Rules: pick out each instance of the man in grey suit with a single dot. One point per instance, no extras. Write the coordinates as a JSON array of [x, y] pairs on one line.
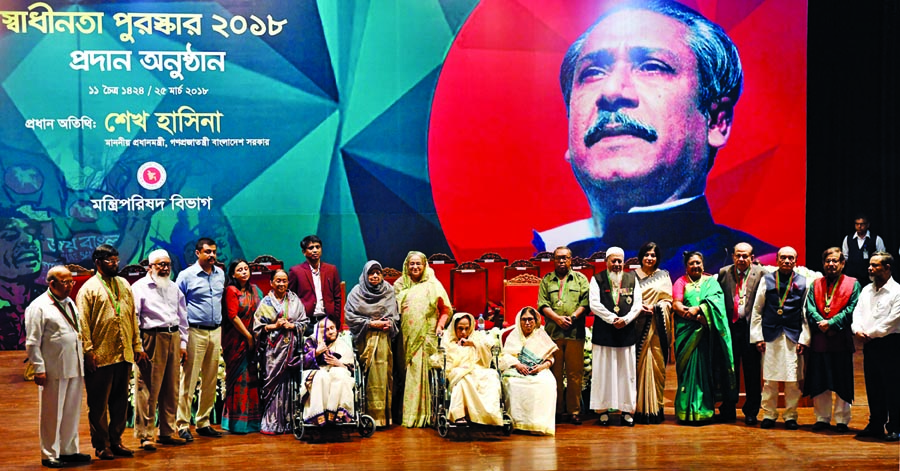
[[739, 284], [53, 343]]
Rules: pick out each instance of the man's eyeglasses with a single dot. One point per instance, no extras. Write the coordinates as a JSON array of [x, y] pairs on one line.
[[162, 264], [66, 282], [111, 261]]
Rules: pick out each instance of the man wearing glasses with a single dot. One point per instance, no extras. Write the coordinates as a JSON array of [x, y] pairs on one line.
[[162, 315], [563, 301], [111, 344]]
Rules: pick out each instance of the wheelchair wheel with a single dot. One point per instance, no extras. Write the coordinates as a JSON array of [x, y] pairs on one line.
[[298, 429], [443, 426], [507, 425], [366, 426]]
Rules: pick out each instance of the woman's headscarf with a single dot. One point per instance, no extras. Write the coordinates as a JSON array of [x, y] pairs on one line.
[[451, 331], [405, 282], [367, 301]]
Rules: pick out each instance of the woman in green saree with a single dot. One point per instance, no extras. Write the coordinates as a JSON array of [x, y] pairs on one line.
[[424, 310], [703, 359]]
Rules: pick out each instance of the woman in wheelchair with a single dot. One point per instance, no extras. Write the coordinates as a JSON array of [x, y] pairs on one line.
[[530, 387], [474, 386], [327, 377]]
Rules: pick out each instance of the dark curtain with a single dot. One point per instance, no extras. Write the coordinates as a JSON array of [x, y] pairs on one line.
[[854, 60]]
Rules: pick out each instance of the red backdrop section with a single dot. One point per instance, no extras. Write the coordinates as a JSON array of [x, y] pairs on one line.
[[497, 135]]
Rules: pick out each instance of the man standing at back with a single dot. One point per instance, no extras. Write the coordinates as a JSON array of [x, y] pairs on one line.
[[202, 285], [316, 283], [858, 247], [739, 283]]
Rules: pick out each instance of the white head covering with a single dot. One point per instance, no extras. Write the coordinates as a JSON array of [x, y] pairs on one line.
[[157, 255], [615, 251]]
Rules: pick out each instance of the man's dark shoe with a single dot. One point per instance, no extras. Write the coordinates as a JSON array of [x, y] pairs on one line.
[[52, 463], [724, 419], [170, 440], [870, 432], [575, 420], [767, 423], [841, 428], [75, 458], [892, 437], [185, 434], [819, 426], [751, 421], [105, 454], [604, 419], [121, 450], [627, 420], [209, 432], [791, 424]]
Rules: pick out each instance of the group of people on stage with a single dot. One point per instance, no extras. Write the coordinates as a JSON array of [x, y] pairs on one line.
[[174, 331]]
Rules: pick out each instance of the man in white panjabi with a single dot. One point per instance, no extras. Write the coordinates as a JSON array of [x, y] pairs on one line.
[[615, 299]]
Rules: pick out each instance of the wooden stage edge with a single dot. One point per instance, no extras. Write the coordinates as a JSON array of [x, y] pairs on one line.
[[667, 446]]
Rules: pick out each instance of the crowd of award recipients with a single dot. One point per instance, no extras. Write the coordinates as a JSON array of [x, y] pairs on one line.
[[780, 324]]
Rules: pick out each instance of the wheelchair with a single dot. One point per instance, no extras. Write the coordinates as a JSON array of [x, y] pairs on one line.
[[440, 400], [359, 422]]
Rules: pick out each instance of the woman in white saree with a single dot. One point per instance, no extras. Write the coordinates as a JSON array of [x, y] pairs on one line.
[[327, 377], [474, 386], [529, 385]]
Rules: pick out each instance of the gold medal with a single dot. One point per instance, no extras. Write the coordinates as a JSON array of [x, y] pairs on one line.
[[628, 299], [780, 312], [616, 309], [827, 309]]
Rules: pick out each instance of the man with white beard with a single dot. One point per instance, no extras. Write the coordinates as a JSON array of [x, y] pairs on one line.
[[615, 299], [162, 315]]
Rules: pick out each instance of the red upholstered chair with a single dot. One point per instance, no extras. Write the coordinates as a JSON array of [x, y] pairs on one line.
[[442, 264], [586, 268], [519, 292], [79, 275], [520, 267], [270, 262], [544, 261], [469, 286], [632, 264], [261, 276], [598, 260], [133, 273], [583, 266], [391, 275], [494, 264]]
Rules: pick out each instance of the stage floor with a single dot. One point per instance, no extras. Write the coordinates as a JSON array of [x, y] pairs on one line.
[[667, 446]]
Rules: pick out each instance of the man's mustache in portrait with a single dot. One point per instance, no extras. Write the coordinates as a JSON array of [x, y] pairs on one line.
[[617, 124]]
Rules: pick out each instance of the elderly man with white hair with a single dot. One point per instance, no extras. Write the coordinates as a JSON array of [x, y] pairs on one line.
[[162, 315], [615, 298]]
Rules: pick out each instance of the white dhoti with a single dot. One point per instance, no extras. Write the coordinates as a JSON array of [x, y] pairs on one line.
[[613, 378], [60, 412], [781, 364]]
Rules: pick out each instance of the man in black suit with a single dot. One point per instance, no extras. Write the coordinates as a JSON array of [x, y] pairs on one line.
[[650, 90], [739, 283]]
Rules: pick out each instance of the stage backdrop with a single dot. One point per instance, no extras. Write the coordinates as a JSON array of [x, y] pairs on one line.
[[381, 126]]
